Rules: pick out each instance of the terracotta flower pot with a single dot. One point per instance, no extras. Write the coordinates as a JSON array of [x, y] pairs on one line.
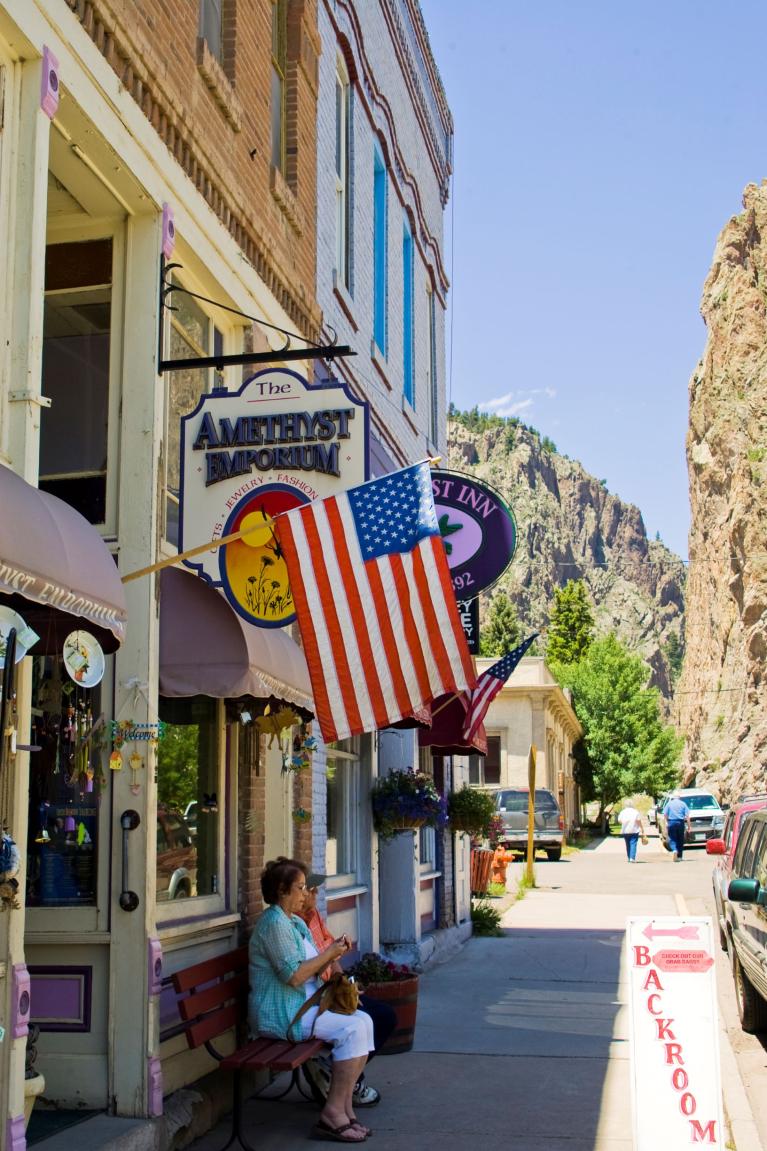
[[402, 996]]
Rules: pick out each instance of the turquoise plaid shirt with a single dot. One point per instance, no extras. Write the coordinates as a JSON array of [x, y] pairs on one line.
[[275, 952]]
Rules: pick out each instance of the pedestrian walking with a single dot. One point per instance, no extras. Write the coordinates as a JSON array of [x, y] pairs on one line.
[[677, 815], [631, 828]]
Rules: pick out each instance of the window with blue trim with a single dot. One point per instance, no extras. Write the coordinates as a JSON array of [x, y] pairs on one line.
[[408, 382], [380, 286]]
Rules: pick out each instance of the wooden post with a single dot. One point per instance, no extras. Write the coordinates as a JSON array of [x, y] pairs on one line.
[[531, 813]]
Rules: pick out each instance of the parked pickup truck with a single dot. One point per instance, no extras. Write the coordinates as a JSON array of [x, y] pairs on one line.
[[706, 816], [549, 826]]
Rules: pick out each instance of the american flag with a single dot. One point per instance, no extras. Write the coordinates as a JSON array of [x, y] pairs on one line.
[[488, 685], [374, 602]]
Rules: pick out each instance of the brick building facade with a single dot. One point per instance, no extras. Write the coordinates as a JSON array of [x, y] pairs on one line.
[[204, 132]]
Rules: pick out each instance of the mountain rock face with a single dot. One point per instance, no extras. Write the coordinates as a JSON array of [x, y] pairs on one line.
[[722, 701], [571, 527]]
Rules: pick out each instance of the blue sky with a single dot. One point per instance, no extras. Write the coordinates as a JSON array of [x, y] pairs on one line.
[[600, 147]]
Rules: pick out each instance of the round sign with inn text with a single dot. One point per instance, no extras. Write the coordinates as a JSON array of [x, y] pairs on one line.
[[478, 531]]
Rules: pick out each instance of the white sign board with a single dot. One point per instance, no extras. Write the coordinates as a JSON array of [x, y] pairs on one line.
[[676, 1086], [251, 455]]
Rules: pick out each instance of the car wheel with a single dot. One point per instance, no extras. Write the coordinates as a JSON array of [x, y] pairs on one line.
[[554, 854], [752, 1009], [181, 892]]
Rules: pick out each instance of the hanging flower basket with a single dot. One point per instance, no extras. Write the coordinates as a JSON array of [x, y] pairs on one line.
[[471, 811], [406, 801]]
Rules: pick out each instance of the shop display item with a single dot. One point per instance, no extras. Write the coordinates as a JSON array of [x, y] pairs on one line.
[[25, 636], [83, 658]]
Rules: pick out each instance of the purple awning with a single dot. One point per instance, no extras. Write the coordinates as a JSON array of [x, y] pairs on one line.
[[55, 569], [207, 649], [445, 737]]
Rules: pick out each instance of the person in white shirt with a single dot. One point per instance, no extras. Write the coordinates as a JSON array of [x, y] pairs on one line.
[[631, 828]]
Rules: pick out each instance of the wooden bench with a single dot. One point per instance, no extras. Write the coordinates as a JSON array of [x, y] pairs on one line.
[[213, 998]]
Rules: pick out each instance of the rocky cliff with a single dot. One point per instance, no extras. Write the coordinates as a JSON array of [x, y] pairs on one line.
[[722, 699], [571, 527]]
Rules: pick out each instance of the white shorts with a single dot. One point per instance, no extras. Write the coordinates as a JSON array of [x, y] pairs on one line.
[[350, 1036]]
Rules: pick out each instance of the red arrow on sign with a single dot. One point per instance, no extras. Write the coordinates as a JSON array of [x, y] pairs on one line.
[[689, 962], [651, 932]]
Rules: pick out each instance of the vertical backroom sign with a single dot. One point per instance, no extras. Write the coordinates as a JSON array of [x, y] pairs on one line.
[[675, 1076]]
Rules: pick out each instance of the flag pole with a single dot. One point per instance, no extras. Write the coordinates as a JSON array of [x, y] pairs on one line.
[[214, 545]]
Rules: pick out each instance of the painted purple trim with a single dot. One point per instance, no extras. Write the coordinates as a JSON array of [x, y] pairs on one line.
[[16, 1134], [227, 813], [154, 966], [20, 1001], [57, 976]]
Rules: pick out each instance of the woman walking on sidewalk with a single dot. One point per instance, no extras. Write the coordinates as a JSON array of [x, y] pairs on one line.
[[631, 828]]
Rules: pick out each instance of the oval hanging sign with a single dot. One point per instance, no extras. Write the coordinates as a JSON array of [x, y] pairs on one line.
[[478, 530]]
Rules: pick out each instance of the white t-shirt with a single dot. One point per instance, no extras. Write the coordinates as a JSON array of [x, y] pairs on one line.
[[630, 821]]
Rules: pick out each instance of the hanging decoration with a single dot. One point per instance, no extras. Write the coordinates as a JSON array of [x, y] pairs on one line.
[[84, 658], [271, 723], [301, 815], [297, 756], [9, 867]]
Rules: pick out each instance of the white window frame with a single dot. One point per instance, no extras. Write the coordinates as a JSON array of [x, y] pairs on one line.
[[171, 911], [342, 168], [349, 752], [81, 230], [432, 367]]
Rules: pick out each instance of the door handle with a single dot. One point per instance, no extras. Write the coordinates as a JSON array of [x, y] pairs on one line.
[[129, 820]]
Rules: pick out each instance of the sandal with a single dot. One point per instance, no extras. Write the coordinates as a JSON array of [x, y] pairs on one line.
[[323, 1130]]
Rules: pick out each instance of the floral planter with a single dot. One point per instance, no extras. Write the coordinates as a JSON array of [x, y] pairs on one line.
[[402, 996]]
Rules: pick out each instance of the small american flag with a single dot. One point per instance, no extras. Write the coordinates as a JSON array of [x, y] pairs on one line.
[[489, 684], [375, 603]]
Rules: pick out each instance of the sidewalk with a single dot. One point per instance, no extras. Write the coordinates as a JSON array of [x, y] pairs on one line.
[[521, 1041]]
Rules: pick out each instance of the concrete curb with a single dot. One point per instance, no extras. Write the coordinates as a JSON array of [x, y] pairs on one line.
[[737, 1110]]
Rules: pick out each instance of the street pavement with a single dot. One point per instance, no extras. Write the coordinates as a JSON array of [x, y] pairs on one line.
[[521, 1041]]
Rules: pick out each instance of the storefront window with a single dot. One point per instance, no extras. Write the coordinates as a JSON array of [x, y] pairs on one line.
[[485, 770], [343, 771], [66, 780], [188, 815], [75, 375]]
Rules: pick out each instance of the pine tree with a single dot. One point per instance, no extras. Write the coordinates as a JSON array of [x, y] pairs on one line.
[[501, 631], [571, 627]]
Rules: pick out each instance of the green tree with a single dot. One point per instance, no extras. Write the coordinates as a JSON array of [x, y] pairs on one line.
[[674, 650], [626, 748], [501, 631], [177, 765], [571, 626]]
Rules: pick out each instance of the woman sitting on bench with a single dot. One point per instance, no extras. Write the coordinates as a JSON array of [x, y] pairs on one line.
[[284, 972]]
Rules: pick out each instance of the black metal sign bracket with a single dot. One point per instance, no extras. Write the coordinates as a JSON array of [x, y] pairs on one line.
[[332, 351]]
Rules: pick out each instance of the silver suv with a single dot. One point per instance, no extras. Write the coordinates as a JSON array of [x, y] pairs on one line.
[[548, 827], [706, 816]]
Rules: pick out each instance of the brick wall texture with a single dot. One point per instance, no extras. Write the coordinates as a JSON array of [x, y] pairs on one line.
[[214, 117]]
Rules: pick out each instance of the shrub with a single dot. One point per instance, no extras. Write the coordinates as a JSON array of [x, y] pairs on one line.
[[485, 919]]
